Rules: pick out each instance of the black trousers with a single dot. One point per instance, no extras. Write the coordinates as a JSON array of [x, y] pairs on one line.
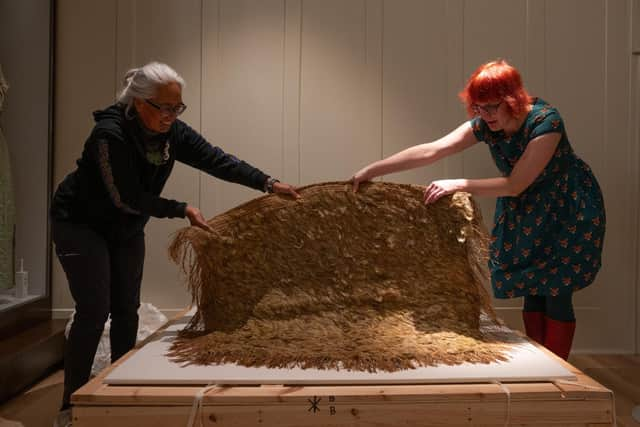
[[104, 278], [557, 308]]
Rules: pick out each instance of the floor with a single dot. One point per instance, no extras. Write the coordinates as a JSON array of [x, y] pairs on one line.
[[621, 373], [35, 408]]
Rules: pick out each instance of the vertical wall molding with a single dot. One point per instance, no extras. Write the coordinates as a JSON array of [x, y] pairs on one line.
[[635, 26], [455, 79], [634, 161], [374, 88], [634, 158], [210, 65], [291, 90], [535, 60], [617, 146]]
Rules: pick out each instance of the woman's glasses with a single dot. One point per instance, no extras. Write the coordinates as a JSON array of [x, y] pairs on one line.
[[168, 110], [487, 108]]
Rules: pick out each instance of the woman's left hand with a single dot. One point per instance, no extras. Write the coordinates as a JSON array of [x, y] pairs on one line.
[[284, 188], [440, 188], [196, 219]]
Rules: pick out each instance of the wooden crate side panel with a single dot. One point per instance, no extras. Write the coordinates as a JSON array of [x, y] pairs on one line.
[[335, 414]]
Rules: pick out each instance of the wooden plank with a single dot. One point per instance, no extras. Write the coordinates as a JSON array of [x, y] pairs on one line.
[[151, 395], [321, 412]]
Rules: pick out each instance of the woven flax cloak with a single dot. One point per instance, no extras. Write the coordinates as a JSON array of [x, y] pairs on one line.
[[373, 280]]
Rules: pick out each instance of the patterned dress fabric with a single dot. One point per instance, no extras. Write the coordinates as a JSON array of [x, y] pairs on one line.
[[548, 240]]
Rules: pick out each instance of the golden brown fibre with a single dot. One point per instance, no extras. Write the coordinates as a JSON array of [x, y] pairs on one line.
[[373, 280]]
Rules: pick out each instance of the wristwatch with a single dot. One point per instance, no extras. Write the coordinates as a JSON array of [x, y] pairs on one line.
[[268, 186]]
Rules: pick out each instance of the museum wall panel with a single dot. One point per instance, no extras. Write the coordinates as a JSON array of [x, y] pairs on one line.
[[310, 91]]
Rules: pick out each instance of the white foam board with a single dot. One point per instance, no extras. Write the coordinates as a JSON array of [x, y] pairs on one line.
[[150, 366]]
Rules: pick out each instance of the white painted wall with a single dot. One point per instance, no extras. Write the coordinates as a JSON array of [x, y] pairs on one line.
[[312, 90]]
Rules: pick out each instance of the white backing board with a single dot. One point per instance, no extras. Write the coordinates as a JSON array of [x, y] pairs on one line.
[[150, 366]]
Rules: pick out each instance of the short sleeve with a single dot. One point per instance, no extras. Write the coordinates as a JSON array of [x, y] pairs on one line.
[[547, 120], [479, 128]]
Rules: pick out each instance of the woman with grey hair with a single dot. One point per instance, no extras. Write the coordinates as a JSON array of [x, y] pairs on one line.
[[99, 211]]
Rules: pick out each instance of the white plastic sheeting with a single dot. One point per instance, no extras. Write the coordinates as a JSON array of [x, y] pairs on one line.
[[150, 320]]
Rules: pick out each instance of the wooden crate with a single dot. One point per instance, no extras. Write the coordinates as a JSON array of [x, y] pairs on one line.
[[586, 403]]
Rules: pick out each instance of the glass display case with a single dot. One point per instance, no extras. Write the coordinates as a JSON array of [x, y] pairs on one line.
[[25, 162]]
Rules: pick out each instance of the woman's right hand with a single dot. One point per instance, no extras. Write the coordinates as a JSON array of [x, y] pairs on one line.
[[361, 176], [195, 218]]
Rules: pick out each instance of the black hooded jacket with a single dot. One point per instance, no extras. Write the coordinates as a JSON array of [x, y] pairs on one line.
[[115, 189]]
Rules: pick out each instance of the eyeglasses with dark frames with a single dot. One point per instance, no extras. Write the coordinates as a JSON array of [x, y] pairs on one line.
[[488, 108], [168, 110]]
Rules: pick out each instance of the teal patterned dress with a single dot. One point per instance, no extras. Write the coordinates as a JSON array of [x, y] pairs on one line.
[[548, 240]]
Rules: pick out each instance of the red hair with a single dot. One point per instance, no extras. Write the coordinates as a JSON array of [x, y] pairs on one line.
[[496, 81]]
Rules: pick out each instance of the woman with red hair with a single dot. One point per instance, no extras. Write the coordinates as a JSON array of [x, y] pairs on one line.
[[550, 219]]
